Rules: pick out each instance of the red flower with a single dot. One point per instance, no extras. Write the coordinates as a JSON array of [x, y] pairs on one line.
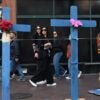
[[5, 25]]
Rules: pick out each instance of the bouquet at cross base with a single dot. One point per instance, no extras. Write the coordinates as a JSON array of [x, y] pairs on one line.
[[5, 26]]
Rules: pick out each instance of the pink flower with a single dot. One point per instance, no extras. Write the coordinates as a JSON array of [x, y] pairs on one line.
[[79, 23], [72, 21], [75, 23]]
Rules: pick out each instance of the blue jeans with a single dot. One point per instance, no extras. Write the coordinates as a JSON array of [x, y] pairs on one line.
[[59, 70], [69, 66], [16, 66]]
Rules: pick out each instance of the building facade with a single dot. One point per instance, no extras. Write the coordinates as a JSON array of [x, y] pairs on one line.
[[39, 12]]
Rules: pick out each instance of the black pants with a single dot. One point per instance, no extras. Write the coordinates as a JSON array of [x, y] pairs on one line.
[[45, 71]]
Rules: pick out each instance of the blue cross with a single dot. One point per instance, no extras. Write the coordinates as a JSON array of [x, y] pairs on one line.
[[6, 54], [74, 46]]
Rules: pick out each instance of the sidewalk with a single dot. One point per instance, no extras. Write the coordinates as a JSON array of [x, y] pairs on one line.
[[59, 92]]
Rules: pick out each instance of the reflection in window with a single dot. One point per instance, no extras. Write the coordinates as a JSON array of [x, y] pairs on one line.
[[95, 7], [42, 7], [83, 6]]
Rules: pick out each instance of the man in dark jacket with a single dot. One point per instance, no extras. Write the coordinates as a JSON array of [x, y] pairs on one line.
[[14, 57]]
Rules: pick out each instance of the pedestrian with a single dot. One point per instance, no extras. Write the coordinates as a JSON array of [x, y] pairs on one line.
[[44, 74], [58, 51], [14, 58]]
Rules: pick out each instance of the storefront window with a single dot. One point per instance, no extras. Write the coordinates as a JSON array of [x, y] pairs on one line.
[[39, 12]]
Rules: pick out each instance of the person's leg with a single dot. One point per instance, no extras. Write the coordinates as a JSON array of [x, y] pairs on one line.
[[38, 78], [62, 71], [20, 72], [59, 70], [69, 66], [69, 76], [49, 71], [12, 69], [39, 75], [12, 66]]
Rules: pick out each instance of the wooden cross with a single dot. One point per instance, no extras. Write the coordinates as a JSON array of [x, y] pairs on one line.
[[6, 53], [74, 46]]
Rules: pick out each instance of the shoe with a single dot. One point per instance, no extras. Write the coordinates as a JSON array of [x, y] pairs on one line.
[[12, 76], [21, 79], [32, 83], [41, 82], [68, 78], [53, 84], [64, 73], [54, 78], [79, 74]]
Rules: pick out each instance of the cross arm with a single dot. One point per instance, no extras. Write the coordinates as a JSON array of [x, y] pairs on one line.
[[60, 22], [21, 28], [88, 23]]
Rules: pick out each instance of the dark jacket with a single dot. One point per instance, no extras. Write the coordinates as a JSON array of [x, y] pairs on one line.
[[45, 53], [38, 42], [57, 45], [14, 49]]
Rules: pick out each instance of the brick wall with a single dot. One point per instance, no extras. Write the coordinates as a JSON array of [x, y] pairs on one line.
[[12, 5]]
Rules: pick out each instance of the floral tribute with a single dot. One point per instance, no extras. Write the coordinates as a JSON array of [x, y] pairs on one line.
[[5, 25], [75, 23]]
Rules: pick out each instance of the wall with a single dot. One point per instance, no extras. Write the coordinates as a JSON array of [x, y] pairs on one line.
[[39, 12], [12, 5]]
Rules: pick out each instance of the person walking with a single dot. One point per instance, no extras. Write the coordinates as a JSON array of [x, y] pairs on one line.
[[58, 51], [14, 58], [44, 74], [68, 56]]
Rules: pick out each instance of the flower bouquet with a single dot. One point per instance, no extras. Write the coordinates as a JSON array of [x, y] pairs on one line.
[[5, 26], [75, 23]]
